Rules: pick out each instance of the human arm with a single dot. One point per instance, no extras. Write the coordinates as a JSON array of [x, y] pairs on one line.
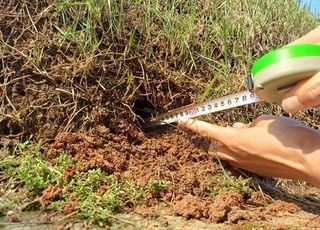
[[274, 146]]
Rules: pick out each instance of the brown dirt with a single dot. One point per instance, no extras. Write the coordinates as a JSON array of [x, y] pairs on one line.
[[173, 155], [279, 208], [49, 194], [70, 206], [69, 91], [192, 207], [223, 204]]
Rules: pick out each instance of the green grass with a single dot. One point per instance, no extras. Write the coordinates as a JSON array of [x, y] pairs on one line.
[[36, 174], [115, 196], [157, 186], [76, 23], [8, 203], [224, 36], [99, 194], [33, 170], [225, 183], [142, 49]]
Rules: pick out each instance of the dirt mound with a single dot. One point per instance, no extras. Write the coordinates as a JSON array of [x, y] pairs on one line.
[[180, 159], [185, 165], [223, 204], [216, 209], [192, 207]]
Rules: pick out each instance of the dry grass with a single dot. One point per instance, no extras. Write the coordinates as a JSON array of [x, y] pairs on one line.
[[69, 65]]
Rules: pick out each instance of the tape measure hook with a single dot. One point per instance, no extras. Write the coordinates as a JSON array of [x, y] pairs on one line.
[[250, 83]]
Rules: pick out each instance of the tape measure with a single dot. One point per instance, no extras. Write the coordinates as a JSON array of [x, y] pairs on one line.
[[271, 76]]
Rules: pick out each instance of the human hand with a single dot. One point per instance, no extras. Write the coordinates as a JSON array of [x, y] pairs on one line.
[[269, 146], [305, 94]]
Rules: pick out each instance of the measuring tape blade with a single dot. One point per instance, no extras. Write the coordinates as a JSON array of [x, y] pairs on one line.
[[207, 107]]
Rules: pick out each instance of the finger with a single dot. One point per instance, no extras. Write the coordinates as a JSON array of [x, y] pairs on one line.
[[239, 125], [263, 121], [205, 129], [221, 152], [304, 95], [226, 157], [311, 37]]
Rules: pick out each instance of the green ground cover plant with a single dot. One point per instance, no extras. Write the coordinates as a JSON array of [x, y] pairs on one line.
[[33, 173]]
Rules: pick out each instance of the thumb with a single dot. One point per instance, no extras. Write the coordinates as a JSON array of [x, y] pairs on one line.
[[304, 95], [312, 37]]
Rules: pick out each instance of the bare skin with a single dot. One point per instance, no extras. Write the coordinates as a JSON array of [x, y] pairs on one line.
[[271, 145], [305, 94]]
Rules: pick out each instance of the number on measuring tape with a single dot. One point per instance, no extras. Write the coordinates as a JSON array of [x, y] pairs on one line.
[[192, 112], [203, 108]]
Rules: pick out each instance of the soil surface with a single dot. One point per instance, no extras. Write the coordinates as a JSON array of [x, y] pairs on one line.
[[299, 220], [181, 158]]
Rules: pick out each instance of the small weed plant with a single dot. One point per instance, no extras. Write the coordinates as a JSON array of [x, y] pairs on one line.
[[98, 193], [225, 183]]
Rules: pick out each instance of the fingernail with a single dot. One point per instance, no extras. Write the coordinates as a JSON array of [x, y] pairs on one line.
[[238, 125], [182, 121], [292, 104]]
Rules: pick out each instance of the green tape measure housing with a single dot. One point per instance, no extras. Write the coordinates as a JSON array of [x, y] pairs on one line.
[[276, 72], [284, 53]]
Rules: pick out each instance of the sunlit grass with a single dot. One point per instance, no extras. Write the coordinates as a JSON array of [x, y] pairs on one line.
[[227, 36]]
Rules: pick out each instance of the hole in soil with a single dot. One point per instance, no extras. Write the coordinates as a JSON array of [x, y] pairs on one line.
[[4, 128], [15, 128], [144, 108]]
